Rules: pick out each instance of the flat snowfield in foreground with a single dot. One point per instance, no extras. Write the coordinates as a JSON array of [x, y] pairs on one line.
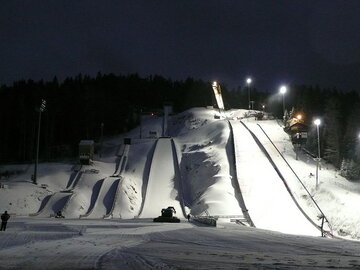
[[141, 244]]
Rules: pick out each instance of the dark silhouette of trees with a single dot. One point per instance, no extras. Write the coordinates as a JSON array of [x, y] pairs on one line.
[[78, 106], [332, 131]]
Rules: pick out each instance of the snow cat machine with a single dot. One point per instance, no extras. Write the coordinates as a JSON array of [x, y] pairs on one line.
[[167, 215]]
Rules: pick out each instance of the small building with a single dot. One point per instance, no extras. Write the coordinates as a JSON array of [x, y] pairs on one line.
[[153, 134], [127, 141], [86, 151], [298, 132], [298, 127]]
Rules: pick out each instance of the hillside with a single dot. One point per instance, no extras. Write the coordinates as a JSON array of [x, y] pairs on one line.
[[202, 144], [221, 167]]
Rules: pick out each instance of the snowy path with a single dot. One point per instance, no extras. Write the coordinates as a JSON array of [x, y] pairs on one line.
[[269, 203], [105, 198], [55, 203], [163, 180]]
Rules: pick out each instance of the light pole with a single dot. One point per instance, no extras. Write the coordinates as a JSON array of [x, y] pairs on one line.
[[101, 137], [283, 91], [248, 81], [317, 122], [41, 109], [140, 123]]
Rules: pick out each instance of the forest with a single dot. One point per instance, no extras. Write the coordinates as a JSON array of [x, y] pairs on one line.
[[85, 107]]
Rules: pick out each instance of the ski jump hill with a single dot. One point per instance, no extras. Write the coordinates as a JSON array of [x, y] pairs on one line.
[[269, 203], [208, 162]]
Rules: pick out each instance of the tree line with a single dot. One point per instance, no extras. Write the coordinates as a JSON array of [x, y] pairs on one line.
[[339, 112], [79, 107]]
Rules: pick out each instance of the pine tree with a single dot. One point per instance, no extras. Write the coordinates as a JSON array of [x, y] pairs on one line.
[[332, 129]]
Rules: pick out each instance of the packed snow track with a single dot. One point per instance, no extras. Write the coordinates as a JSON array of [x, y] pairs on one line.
[[164, 187]]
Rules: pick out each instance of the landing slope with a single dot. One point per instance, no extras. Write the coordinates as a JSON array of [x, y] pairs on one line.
[[269, 203], [105, 198], [163, 180], [55, 203]]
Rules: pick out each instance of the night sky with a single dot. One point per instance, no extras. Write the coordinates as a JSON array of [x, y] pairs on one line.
[[275, 42]]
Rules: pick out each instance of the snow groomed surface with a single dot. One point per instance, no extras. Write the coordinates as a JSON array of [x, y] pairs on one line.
[[162, 186], [272, 208], [122, 156], [56, 202], [246, 217], [74, 179], [105, 198], [85, 194], [293, 182]]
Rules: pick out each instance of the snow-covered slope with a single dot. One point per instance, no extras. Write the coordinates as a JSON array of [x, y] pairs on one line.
[[269, 203], [214, 173], [105, 198], [138, 244], [55, 203], [163, 186], [207, 170], [205, 165]]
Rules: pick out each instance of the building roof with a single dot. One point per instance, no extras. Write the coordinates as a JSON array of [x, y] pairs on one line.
[[86, 142], [298, 127]]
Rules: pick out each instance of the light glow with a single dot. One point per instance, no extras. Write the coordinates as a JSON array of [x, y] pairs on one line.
[[248, 80], [317, 122], [283, 90]]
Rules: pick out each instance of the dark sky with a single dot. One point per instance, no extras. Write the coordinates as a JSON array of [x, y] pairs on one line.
[[305, 42]]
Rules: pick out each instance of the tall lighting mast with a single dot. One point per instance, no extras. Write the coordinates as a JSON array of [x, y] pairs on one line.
[[248, 82], [40, 109]]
